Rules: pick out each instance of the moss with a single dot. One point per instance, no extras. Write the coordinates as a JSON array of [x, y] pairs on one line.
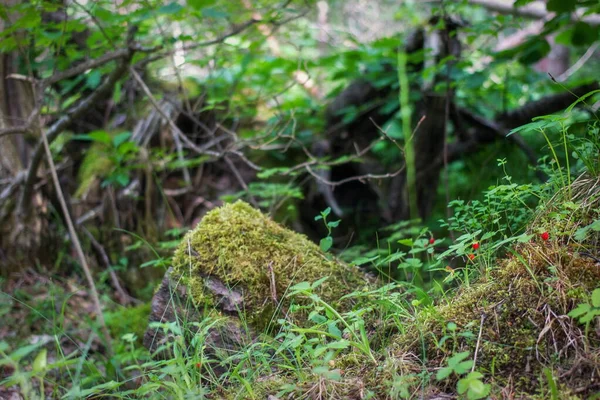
[[523, 304], [248, 252], [95, 165], [128, 320]]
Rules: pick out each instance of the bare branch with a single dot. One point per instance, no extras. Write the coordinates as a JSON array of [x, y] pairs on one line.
[[535, 10], [77, 245], [360, 178], [238, 29]]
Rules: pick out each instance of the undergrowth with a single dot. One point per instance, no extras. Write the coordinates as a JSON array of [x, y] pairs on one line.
[[507, 305]]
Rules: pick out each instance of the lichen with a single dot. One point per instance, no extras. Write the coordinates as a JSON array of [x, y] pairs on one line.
[[251, 253]]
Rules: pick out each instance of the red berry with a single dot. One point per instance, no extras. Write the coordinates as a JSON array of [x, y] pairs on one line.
[[471, 256], [475, 246], [431, 241], [545, 236]]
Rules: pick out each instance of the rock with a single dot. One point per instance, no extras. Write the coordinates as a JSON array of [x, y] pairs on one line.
[[235, 269]]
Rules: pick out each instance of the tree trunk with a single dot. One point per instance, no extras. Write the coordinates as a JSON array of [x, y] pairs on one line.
[[20, 238]]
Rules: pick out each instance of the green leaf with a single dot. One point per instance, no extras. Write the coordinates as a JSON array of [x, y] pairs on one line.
[[214, 13], [524, 238], [318, 282], [583, 34], [326, 243], [199, 4], [40, 361], [463, 367], [171, 8], [121, 138], [335, 331], [457, 358], [300, 287], [340, 344], [477, 390], [443, 373], [93, 79], [596, 298], [580, 310], [96, 136], [521, 3], [406, 242], [333, 224], [561, 6], [581, 233], [364, 260], [462, 386]]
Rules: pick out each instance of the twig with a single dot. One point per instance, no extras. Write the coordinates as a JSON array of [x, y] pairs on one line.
[[483, 317], [353, 178], [220, 39], [177, 134], [575, 67], [123, 295], [77, 245], [536, 10]]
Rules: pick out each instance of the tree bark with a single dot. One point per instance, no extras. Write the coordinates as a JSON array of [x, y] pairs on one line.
[[19, 239]]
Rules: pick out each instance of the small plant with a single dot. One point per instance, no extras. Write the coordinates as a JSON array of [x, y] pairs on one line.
[[327, 241], [352, 322], [471, 385], [587, 312]]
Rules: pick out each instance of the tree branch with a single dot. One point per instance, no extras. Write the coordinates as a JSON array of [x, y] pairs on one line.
[[535, 10], [58, 127]]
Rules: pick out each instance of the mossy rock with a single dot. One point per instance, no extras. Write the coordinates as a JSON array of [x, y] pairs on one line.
[[237, 265], [250, 253]]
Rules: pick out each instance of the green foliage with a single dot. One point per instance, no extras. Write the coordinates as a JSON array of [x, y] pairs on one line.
[[585, 313], [108, 159], [327, 241]]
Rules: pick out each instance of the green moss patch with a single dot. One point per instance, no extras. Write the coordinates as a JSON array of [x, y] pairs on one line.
[[251, 254]]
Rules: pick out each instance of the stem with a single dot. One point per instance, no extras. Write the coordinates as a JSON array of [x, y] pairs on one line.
[[409, 151]]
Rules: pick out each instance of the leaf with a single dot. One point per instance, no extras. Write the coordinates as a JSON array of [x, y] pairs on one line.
[[524, 238], [583, 34], [171, 8], [364, 260], [96, 136], [326, 243], [93, 79], [199, 4], [300, 287], [214, 13], [40, 362], [463, 367], [580, 310], [561, 6], [581, 233], [406, 242], [596, 298], [340, 344], [580, 99], [457, 358], [334, 224], [121, 138], [443, 373], [335, 331], [521, 3], [318, 282], [477, 389]]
